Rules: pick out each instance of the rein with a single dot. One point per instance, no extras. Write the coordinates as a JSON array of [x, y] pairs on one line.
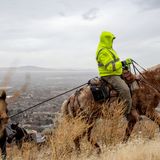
[[143, 79]]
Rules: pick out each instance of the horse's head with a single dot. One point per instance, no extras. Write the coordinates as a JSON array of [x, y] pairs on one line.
[[3, 110]]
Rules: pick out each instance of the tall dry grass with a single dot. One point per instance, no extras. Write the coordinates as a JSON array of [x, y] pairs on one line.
[[29, 151], [108, 132], [61, 141]]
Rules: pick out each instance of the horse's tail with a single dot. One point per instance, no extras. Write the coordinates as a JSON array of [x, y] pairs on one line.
[[64, 107], [67, 108]]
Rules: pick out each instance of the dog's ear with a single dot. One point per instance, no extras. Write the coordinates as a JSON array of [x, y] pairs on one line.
[[2, 94]]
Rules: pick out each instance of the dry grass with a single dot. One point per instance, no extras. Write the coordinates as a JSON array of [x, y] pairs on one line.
[[29, 151], [62, 139], [110, 128], [138, 149], [108, 132]]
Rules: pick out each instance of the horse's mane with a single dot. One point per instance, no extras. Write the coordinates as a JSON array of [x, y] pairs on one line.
[[152, 76]]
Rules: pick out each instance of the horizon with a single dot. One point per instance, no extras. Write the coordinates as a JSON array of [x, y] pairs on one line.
[[46, 68]]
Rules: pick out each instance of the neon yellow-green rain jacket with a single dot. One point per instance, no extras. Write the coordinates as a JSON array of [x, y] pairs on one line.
[[107, 59]]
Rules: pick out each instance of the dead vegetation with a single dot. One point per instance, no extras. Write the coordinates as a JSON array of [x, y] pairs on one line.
[[108, 132]]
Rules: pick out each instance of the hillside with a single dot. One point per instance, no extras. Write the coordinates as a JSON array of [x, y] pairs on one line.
[[143, 145], [134, 150]]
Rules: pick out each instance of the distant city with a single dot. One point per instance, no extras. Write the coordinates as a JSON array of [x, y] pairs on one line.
[[41, 84]]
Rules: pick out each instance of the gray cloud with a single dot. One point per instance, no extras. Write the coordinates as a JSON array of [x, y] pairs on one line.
[[91, 14], [65, 34], [148, 5]]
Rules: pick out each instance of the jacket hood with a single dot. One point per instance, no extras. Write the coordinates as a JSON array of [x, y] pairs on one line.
[[106, 39]]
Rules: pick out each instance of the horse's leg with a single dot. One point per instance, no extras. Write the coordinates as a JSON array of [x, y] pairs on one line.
[[129, 130], [93, 143], [132, 119]]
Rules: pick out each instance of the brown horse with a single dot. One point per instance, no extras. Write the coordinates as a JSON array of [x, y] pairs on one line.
[[145, 99], [3, 122]]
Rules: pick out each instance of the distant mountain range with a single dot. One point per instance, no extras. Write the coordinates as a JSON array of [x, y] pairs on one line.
[[25, 68], [36, 68]]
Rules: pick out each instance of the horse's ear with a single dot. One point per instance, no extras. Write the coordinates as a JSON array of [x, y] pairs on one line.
[[2, 94]]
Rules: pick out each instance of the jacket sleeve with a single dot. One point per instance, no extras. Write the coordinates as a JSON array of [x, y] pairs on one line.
[[106, 59]]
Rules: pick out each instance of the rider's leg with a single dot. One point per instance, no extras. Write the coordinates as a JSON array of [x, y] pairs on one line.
[[121, 87]]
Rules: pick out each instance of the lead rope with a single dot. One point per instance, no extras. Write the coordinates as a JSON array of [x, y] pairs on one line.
[[38, 104]]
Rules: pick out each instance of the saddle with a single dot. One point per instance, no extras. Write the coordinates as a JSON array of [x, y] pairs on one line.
[[102, 90]]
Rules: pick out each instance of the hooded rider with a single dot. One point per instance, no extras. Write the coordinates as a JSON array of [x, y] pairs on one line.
[[110, 68]]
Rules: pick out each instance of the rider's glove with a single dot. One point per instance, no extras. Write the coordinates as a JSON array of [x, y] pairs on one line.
[[127, 62]]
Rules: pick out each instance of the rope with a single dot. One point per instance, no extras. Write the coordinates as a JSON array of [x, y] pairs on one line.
[[38, 104], [144, 78], [135, 72], [134, 68], [138, 65]]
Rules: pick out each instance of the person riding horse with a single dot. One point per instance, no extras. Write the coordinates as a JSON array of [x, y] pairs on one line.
[[110, 68]]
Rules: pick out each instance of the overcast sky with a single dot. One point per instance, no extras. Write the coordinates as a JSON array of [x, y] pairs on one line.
[[65, 33]]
